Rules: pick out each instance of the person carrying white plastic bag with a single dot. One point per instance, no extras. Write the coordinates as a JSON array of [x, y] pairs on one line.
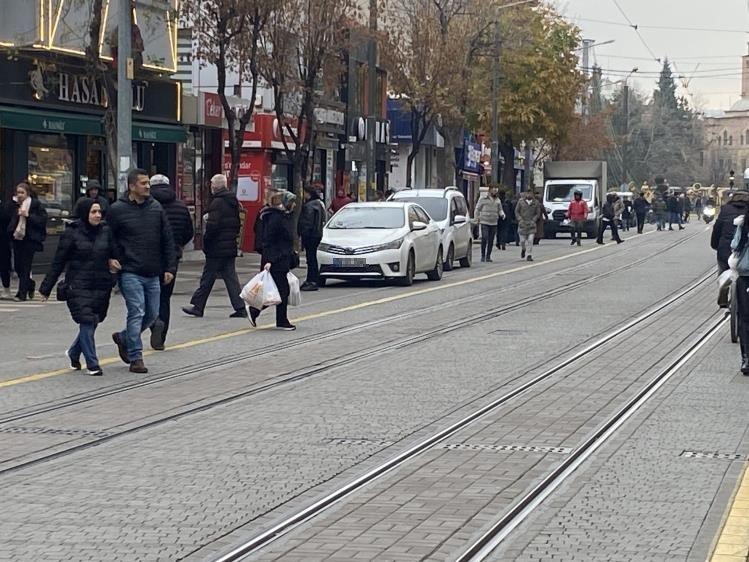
[[278, 257], [261, 292], [295, 294]]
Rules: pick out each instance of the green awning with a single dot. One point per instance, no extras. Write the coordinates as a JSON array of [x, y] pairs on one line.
[[49, 121], [156, 132]]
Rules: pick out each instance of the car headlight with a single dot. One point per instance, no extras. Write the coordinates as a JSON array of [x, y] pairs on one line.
[[394, 245], [323, 247], [548, 211]]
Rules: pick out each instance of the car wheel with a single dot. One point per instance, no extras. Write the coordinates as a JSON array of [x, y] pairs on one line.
[[450, 258], [408, 279], [436, 273], [466, 261]]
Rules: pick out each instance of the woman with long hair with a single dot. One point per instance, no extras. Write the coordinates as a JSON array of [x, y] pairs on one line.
[[84, 252], [28, 230]]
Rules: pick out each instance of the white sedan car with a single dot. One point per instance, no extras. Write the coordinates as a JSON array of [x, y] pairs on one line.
[[380, 241]]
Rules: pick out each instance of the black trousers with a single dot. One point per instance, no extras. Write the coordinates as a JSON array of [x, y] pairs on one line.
[[310, 251], [604, 226], [5, 268], [282, 283], [488, 232], [23, 257], [213, 268], [742, 284], [165, 304], [640, 222], [577, 230]]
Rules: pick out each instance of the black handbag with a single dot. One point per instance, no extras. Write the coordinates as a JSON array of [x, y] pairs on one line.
[[62, 290]]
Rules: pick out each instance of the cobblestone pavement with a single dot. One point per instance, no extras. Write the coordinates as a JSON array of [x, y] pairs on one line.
[[195, 486]]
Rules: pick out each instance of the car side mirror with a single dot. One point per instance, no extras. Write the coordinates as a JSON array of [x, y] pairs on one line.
[[459, 219], [418, 225]]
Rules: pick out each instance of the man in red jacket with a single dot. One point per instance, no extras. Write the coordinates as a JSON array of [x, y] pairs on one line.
[[578, 214]]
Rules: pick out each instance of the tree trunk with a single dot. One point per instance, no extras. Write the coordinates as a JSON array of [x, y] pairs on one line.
[[409, 164], [507, 149], [453, 136]]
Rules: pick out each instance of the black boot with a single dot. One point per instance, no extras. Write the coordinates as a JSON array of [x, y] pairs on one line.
[[744, 360]]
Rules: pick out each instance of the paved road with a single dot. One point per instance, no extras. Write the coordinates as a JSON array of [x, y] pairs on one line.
[[236, 428]]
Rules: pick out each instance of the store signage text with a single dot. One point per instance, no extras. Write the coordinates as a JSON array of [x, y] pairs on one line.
[[86, 90]]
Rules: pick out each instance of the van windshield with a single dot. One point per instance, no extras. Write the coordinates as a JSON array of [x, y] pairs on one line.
[[564, 192]]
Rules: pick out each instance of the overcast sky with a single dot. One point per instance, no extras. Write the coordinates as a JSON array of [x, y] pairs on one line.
[[715, 84]]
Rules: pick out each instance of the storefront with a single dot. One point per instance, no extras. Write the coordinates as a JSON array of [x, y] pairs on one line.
[[51, 134]]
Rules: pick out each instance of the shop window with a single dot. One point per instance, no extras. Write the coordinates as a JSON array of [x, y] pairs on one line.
[[280, 176], [51, 174]]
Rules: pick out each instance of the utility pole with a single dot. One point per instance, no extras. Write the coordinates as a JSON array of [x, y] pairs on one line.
[[125, 73], [626, 132], [586, 70], [372, 110], [495, 106]]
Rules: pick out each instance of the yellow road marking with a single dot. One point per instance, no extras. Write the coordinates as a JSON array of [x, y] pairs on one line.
[[733, 542], [317, 315]]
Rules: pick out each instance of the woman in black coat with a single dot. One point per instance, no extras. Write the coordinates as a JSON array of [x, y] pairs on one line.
[[84, 252], [5, 250], [28, 230], [278, 252]]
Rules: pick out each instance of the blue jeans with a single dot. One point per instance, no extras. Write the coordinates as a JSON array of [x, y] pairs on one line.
[[141, 296], [84, 343]]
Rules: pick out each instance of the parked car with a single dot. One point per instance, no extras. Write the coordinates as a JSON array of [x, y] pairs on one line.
[[449, 209], [387, 240]]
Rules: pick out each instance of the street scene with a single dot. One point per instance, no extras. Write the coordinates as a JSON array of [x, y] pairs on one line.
[[392, 280]]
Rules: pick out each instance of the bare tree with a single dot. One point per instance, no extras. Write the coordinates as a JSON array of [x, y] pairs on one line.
[[302, 49], [229, 34]]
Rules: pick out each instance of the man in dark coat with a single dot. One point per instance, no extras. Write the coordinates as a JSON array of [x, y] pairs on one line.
[[182, 231], [310, 227], [641, 206], [220, 248], [608, 219], [145, 257], [674, 211], [93, 191], [724, 229]]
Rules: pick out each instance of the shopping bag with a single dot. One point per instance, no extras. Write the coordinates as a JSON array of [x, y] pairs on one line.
[[725, 280], [295, 294], [261, 291]]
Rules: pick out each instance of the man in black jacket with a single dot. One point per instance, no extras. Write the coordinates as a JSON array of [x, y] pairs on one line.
[[724, 229], [220, 248], [145, 257], [93, 190], [182, 231], [641, 206], [310, 226]]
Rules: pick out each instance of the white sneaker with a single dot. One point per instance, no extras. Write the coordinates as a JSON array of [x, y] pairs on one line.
[[6, 294]]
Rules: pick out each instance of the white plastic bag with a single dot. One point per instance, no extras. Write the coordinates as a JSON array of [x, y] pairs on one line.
[[295, 294], [727, 277], [261, 291]]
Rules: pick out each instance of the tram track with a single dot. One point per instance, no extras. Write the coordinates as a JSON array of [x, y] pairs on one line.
[[291, 377], [256, 544], [483, 547]]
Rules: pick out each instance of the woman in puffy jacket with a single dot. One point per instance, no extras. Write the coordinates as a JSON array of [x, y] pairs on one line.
[[84, 252]]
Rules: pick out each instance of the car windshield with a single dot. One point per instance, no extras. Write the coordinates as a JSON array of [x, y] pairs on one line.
[[563, 192], [435, 206], [368, 217]]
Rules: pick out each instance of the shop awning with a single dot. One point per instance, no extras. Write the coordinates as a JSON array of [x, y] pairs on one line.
[[49, 121], [156, 132]]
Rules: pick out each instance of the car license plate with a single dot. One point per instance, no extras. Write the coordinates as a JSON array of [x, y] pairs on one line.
[[349, 262]]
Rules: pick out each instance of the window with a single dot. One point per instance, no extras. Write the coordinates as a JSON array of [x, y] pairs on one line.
[[435, 206], [412, 216], [725, 137], [453, 210], [741, 138], [730, 140], [368, 217], [462, 206], [422, 214], [51, 176]]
